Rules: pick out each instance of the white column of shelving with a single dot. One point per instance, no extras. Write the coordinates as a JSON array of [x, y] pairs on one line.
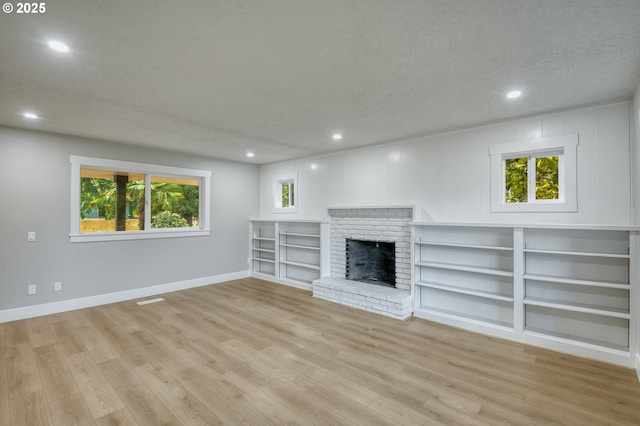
[[518, 280], [634, 298], [278, 266]]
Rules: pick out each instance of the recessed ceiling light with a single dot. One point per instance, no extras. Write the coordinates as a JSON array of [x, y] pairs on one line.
[[58, 46], [514, 94], [30, 115], [250, 154], [337, 136]]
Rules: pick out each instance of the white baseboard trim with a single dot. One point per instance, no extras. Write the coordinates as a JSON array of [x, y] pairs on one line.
[[121, 296]]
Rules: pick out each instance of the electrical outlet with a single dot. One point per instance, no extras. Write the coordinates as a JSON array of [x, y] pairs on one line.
[[57, 286], [31, 289]]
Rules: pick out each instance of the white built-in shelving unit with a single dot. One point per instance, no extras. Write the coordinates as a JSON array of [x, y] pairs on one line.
[[263, 248], [569, 288], [290, 252], [465, 272], [577, 285]]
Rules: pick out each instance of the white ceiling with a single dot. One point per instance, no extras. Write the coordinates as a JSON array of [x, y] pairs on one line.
[[278, 77]]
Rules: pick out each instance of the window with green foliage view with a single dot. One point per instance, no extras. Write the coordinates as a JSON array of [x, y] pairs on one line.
[[115, 201], [287, 194], [535, 175], [529, 179], [285, 191]]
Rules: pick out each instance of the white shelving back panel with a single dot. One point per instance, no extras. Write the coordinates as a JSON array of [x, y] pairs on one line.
[[614, 270], [299, 256], [498, 237], [501, 260], [472, 281], [262, 267], [308, 228], [578, 240], [297, 273], [263, 229], [598, 297], [581, 327], [467, 306]]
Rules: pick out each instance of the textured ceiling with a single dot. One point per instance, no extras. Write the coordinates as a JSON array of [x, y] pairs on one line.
[[278, 77]]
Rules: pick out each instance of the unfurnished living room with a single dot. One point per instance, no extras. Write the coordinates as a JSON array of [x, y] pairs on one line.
[[329, 212]]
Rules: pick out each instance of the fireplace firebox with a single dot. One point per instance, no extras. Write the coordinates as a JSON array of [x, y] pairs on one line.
[[372, 262]]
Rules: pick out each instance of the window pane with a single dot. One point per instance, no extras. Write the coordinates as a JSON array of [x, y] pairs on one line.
[[292, 202], [285, 194], [109, 200], [516, 172], [175, 202], [547, 178]]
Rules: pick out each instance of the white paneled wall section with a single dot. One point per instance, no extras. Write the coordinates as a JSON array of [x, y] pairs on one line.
[[449, 174]]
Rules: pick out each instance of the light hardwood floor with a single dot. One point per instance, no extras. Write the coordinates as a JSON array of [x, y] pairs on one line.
[[253, 352]]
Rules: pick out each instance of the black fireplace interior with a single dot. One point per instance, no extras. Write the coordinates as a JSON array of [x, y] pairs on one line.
[[371, 262]]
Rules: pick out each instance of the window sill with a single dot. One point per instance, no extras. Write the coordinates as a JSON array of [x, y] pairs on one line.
[[286, 210], [136, 235]]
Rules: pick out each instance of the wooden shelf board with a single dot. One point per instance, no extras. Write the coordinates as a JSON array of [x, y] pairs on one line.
[[577, 253], [603, 284], [263, 239], [464, 268], [462, 290], [578, 307], [460, 245]]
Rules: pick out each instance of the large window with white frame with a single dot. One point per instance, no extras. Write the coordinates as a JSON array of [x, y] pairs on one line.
[[119, 200], [534, 176]]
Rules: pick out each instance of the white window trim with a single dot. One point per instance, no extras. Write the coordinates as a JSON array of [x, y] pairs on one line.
[[567, 175], [277, 193], [77, 162]]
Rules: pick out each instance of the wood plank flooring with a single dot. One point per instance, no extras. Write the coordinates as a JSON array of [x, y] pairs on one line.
[[257, 353]]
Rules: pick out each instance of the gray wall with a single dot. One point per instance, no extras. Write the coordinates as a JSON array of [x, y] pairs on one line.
[[35, 196]]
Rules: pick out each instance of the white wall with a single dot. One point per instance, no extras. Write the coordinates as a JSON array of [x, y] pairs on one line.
[[449, 175], [635, 120], [635, 150], [35, 195]]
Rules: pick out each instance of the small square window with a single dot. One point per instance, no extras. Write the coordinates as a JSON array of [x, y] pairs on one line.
[[534, 176], [285, 194]]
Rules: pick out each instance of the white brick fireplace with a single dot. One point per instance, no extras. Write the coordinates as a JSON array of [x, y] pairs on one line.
[[380, 224]]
